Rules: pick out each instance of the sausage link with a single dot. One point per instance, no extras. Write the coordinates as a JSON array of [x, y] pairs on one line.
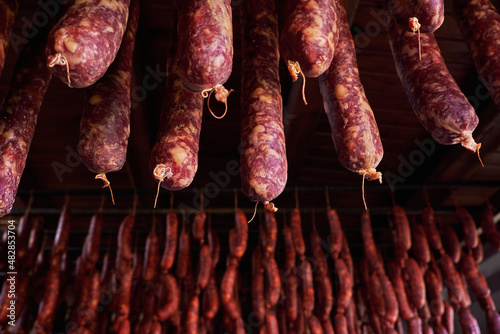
[[405, 309], [173, 298], [192, 315], [271, 323], [258, 297], [448, 318], [336, 234], [452, 244], [298, 238], [478, 252], [210, 298], [486, 302], [489, 228], [468, 322], [429, 13], [314, 325], [369, 248], [150, 269], [290, 254], [424, 313], [241, 238], [317, 252], [352, 318], [390, 300], [306, 276], [227, 291], [449, 120], [350, 116], [420, 245], [416, 285], [325, 297], [63, 232], [429, 224], [345, 286], [274, 282], [402, 226], [434, 290], [205, 43], [214, 244], [198, 228], [204, 267], [471, 237], [123, 281], [340, 324], [105, 121], [182, 268], [269, 234], [377, 300], [124, 253], [263, 159], [174, 157], [492, 322], [290, 283], [453, 282], [46, 312], [415, 326], [168, 256], [345, 254], [479, 24], [85, 41], [91, 245]]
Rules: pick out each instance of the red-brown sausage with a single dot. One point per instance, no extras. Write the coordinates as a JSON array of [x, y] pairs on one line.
[[468, 322], [345, 288], [274, 281], [204, 267], [151, 252], [269, 234], [405, 309], [198, 227], [402, 226], [124, 253], [420, 245], [429, 13], [91, 245], [448, 317], [336, 234], [416, 285], [210, 298], [390, 300], [415, 326], [449, 120], [340, 323], [454, 283], [354, 129], [182, 268], [306, 276], [471, 237], [434, 289], [263, 159], [429, 224], [258, 296], [314, 325], [452, 244], [489, 228], [298, 238], [492, 322], [168, 256]]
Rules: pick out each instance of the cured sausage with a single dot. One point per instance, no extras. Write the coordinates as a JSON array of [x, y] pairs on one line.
[[214, 244], [124, 253], [416, 284], [168, 256], [390, 300], [452, 244], [336, 234], [479, 24], [377, 300], [467, 322], [306, 276], [263, 152], [340, 323], [354, 129], [205, 35], [290, 283], [325, 297], [290, 254], [210, 298], [317, 252], [182, 266], [151, 252], [192, 315], [402, 226], [489, 229], [62, 233], [405, 310], [434, 290], [492, 322], [415, 326], [174, 158], [431, 231], [429, 14], [448, 318], [85, 41], [471, 237], [314, 325], [258, 297], [269, 234], [204, 267], [198, 227], [91, 245], [478, 252], [8, 10], [454, 283], [274, 282], [449, 120], [309, 37], [420, 245], [369, 248], [345, 286], [19, 112], [173, 298], [345, 254], [297, 236], [105, 122]]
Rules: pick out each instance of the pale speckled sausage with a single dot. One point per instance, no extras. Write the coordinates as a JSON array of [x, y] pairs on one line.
[[429, 13], [8, 13], [263, 159], [174, 158], [205, 35], [85, 41], [105, 121], [354, 129], [310, 36]]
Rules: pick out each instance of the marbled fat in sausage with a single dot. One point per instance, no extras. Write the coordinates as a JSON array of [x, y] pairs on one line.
[[263, 153], [310, 36], [105, 122], [479, 23], [8, 13], [354, 129], [429, 13], [434, 95], [174, 158], [84, 43], [205, 37]]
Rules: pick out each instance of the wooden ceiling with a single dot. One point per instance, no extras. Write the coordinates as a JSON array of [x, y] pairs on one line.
[[445, 175]]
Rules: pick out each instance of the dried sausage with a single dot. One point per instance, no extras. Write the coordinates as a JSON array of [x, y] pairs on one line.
[[269, 234], [297, 236], [416, 284], [354, 129], [210, 298], [452, 244], [263, 158], [489, 229], [182, 268], [420, 245], [390, 300], [91, 245], [151, 252], [467, 322], [493, 322], [314, 325], [85, 41], [449, 120], [173, 298], [274, 282], [429, 224], [258, 297], [454, 283], [192, 315], [168, 256], [369, 248], [471, 237], [402, 227], [340, 324], [434, 289], [199, 225], [124, 253], [448, 318], [415, 326], [336, 234], [405, 309], [346, 284], [429, 13], [306, 276], [204, 267]]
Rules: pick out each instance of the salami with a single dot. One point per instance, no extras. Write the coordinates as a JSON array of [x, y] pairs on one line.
[[434, 95], [205, 36], [263, 158], [429, 14], [174, 158], [85, 41], [310, 36], [8, 13], [479, 23], [105, 122], [19, 113], [354, 129]]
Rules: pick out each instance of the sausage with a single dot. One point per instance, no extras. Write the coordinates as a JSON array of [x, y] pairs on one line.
[[467, 265], [420, 245], [468, 322], [354, 129], [424, 313], [405, 310], [377, 300], [124, 253], [19, 110], [122, 303], [478, 252], [486, 302], [340, 323], [352, 318], [314, 325], [105, 121], [402, 226], [434, 289], [290, 253], [205, 37], [274, 282], [214, 244], [449, 120], [479, 23], [453, 282], [431, 231], [192, 315], [306, 276], [345, 254], [452, 244], [416, 285], [91, 245], [369, 248], [240, 240], [415, 326], [258, 297], [429, 14], [168, 256], [400, 253], [227, 285], [327, 326], [63, 232], [309, 37], [325, 297], [269, 234], [471, 237], [297, 236], [210, 298], [489, 228], [271, 323], [172, 302], [290, 283], [448, 317], [85, 41], [198, 227], [263, 159], [336, 234], [317, 252], [204, 267], [345, 286], [8, 10], [182, 268], [492, 322], [174, 157], [150, 270], [46, 311], [390, 300]]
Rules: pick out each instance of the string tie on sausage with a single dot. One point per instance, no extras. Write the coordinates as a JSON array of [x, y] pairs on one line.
[[161, 172], [104, 179], [221, 94], [415, 27], [295, 70], [60, 59], [270, 206]]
